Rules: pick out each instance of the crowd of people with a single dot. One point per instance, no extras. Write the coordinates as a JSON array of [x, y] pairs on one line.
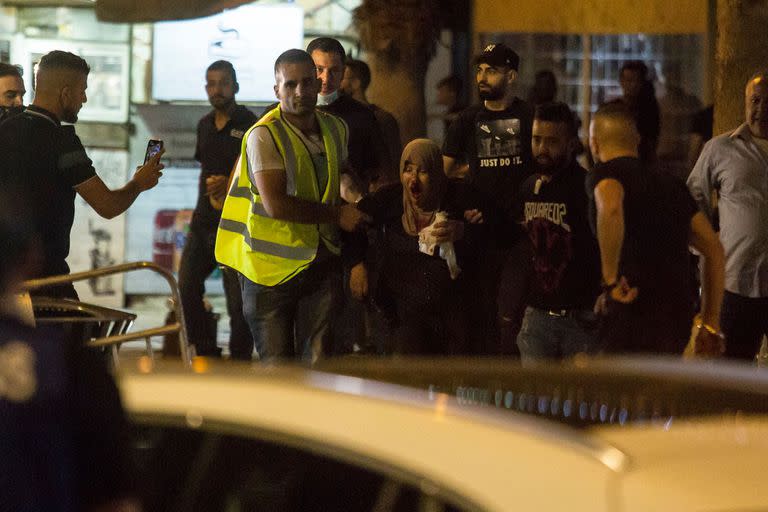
[[334, 239]]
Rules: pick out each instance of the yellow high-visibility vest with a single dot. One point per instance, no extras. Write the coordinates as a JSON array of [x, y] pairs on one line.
[[269, 251]]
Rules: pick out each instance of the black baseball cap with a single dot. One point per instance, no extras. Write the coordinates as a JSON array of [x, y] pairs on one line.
[[498, 54]]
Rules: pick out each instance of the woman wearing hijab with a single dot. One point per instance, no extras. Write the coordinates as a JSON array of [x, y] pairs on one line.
[[410, 283]]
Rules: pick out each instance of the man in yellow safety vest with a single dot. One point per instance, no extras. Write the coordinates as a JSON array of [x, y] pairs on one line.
[[281, 223]]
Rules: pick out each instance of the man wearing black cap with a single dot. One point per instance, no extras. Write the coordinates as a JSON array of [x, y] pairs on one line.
[[490, 146], [493, 139]]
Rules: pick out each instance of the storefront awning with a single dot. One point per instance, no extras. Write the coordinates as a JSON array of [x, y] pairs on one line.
[[143, 11]]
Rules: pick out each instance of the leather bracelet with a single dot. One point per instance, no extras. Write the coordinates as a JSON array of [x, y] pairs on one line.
[[608, 287]]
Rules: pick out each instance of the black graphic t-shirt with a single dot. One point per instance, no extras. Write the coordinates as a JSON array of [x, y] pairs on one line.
[[497, 147], [566, 258]]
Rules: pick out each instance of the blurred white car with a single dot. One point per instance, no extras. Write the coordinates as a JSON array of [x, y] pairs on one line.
[[465, 436]]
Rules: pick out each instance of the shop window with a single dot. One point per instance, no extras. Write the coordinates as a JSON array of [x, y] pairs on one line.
[[587, 70]]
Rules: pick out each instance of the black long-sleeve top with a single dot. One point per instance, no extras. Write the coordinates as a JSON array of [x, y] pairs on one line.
[[399, 271]]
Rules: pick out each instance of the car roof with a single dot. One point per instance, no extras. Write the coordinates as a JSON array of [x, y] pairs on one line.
[[463, 440], [708, 464], [465, 454]]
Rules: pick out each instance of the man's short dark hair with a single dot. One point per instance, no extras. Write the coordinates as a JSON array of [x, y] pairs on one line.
[[327, 45], [61, 60], [294, 56], [452, 82], [616, 109], [557, 112], [637, 66], [361, 71], [223, 65], [10, 70]]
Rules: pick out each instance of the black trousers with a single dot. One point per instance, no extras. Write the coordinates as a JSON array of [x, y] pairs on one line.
[[197, 263], [744, 321], [647, 326]]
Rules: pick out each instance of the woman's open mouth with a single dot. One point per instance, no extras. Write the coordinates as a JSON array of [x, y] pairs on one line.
[[415, 189]]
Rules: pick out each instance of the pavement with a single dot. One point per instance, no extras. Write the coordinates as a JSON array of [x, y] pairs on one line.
[[151, 311]]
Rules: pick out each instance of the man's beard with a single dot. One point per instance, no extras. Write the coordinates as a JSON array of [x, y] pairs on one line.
[[221, 102], [551, 167], [492, 94]]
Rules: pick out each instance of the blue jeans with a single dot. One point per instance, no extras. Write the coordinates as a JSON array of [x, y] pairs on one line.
[[291, 319], [545, 335]]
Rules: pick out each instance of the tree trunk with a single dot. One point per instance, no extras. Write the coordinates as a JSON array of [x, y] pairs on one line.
[[401, 92], [742, 49], [399, 37]]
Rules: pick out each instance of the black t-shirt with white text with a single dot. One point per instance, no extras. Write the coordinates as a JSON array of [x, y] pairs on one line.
[[657, 223], [566, 258], [497, 147]]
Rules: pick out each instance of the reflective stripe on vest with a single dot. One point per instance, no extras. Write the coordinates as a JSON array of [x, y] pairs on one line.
[[269, 251]]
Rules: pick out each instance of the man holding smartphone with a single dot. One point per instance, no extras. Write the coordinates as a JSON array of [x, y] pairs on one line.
[[43, 164], [219, 137]]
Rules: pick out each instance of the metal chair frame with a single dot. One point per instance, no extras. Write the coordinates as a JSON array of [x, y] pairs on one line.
[[114, 340]]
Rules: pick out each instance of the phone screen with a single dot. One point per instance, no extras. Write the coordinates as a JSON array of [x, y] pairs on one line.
[[153, 148]]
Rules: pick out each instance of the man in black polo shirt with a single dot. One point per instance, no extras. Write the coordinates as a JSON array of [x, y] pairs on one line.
[[43, 163], [219, 137]]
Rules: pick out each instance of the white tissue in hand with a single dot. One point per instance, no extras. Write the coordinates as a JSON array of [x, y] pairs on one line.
[[428, 244]]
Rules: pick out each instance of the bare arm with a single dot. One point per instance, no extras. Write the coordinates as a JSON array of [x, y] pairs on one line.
[[271, 185], [350, 189], [705, 241], [111, 203], [609, 199], [217, 186]]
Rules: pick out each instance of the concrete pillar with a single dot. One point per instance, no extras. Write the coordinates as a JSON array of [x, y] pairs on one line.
[[742, 49]]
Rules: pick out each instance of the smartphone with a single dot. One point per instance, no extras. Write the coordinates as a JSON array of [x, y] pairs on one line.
[[153, 148]]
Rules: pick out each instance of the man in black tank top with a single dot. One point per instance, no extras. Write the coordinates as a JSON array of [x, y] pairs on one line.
[[644, 223]]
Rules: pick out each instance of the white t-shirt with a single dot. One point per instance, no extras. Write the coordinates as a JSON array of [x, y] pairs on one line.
[[263, 155]]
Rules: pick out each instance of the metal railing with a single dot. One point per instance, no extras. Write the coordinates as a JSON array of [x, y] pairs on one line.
[[111, 341]]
